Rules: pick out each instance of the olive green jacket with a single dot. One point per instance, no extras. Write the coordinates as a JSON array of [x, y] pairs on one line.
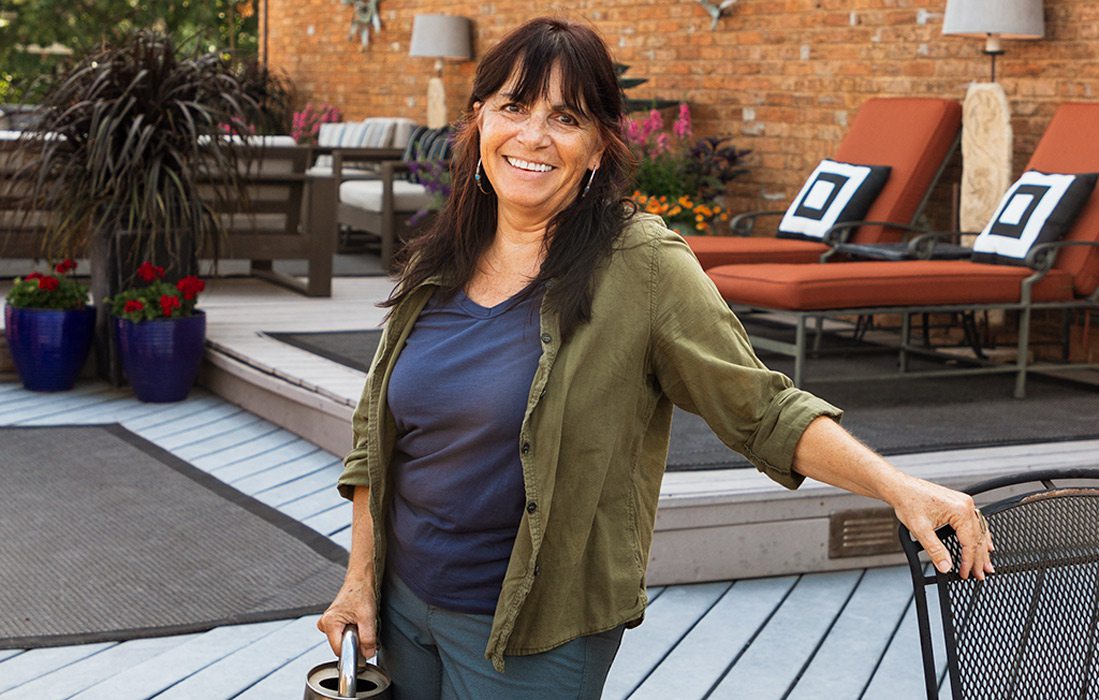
[[594, 438]]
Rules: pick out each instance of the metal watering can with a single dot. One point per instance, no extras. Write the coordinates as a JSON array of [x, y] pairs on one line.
[[340, 679]]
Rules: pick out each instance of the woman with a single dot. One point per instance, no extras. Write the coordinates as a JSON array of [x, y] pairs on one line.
[[514, 427]]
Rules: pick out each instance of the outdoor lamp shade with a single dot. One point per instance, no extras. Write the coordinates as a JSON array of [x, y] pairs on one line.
[[441, 36], [1009, 19]]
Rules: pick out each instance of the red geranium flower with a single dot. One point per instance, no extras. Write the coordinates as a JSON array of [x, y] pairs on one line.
[[48, 282], [149, 272], [168, 303], [133, 305], [190, 286], [33, 276], [66, 265]]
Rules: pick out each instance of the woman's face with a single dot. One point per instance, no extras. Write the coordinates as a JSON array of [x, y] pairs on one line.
[[536, 155]]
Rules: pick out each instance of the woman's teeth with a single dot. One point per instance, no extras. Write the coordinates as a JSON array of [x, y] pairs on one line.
[[527, 165]]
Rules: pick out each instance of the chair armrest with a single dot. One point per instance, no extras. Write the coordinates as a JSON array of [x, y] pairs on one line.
[[742, 224], [1042, 256], [923, 246], [839, 233], [340, 155]]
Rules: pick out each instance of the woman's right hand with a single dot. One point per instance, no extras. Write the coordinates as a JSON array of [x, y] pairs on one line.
[[354, 604]]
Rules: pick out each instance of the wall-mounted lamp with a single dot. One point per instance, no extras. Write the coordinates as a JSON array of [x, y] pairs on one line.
[[439, 37], [994, 20]]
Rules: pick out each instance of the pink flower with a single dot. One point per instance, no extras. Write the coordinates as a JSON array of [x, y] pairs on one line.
[[682, 126], [661, 145]]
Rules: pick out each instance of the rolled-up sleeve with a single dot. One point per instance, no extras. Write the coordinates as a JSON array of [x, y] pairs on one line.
[[356, 470], [704, 363]]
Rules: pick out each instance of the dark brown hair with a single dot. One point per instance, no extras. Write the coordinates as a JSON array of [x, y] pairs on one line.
[[580, 236]]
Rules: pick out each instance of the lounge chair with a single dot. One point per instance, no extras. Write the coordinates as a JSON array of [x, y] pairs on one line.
[[1057, 275], [913, 136], [381, 205]]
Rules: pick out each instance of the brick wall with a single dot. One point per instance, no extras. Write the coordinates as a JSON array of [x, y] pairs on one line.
[[783, 76]]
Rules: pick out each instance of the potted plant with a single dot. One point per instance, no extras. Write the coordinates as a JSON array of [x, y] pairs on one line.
[[132, 162], [679, 178], [48, 325], [160, 334]]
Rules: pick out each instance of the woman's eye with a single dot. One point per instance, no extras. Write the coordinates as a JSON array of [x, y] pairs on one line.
[[512, 108], [568, 119]]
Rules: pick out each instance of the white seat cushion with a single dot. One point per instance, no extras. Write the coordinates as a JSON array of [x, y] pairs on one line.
[[367, 194]]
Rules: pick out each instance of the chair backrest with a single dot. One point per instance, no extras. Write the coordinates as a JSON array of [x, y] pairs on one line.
[[427, 144], [276, 185], [1030, 630], [1070, 144], [913, 135]]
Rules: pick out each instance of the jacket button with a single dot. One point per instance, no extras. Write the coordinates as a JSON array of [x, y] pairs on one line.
[[537, 569], [525, 448], [531, 507], [546, 338]]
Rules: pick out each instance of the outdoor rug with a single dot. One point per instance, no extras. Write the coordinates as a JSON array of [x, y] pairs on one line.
[[105, 536], [899, 416]]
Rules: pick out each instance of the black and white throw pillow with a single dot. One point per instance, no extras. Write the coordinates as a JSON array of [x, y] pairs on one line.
[[835, 193], [1038, 208]]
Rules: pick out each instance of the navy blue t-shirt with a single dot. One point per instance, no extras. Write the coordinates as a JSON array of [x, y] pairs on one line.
[[458, 393]]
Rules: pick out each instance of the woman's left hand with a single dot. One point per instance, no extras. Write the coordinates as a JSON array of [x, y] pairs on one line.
[[924, 507]]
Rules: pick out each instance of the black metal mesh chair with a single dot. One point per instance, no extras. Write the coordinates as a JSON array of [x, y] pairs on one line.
[[1031, 630]]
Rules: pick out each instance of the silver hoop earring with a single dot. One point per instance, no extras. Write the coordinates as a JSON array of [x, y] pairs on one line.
[[590, 178], [477, 177]]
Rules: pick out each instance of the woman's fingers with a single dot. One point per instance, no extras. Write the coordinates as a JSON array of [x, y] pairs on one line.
[[353, 606], [927, 507]]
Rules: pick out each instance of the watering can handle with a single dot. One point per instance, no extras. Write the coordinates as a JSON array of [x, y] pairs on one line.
[[349, 660]]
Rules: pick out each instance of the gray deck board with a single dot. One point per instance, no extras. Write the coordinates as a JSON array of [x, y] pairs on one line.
[[771, 664], [169, 668], [847, 659], [702, 657], [900, 673], [287, 682], [331, 520], [212, 430], [240, 468], [284, 472], [31, 664], [313, 503], [234, 436], [235, 672], [69, 680], [668, 619], [266, 444], [305, 483]]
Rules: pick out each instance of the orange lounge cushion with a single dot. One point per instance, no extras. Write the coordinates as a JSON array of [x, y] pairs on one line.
[[848, 285], [712, 251]]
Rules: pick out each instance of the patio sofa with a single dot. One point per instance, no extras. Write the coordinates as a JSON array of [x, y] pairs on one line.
[[270, 226], [1061, 274], [913, 137]]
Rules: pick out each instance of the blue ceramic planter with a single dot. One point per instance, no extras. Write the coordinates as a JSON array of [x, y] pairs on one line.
[[49, 346], [161, 358]]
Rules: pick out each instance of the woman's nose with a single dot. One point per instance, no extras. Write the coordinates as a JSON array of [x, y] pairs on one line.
[[534, 132]]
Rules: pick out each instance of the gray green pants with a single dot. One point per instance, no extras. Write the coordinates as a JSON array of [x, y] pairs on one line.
[[436, 654]]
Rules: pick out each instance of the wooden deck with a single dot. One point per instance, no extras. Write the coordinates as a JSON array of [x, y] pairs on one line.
[[842, 632]]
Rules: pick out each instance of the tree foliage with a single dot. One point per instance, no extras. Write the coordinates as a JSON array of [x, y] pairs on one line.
[[83, 26]]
